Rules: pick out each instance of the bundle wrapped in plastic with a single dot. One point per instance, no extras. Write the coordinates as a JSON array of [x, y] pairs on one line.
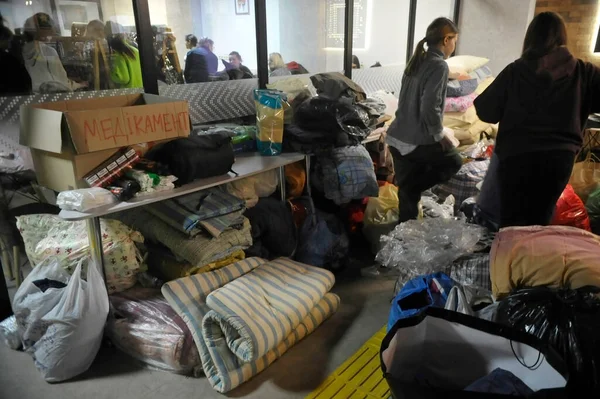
[[9, 333], [84, 199], [420, 247], [148, 329]]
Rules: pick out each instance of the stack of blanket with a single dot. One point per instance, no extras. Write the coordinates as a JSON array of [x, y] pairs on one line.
[[471, 76], [246, 315], [203, 231]]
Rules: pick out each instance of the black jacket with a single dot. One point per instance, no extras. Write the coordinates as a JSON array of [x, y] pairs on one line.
[[541, 104], [196, 69]]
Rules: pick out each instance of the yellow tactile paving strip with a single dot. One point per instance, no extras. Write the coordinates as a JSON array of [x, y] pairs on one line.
[[360, 377]]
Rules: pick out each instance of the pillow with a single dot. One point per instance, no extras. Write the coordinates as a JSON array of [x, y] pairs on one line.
[[484, 85], [481, 74], [466, 63], [455, 120], [459, 88], [459, 104], [554, 256]]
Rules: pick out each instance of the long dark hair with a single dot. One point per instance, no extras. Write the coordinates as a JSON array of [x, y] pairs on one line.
[[545, 33], [116, 39], [436, 33]]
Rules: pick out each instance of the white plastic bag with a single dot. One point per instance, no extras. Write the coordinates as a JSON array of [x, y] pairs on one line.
[[85, 199], [61, 328]]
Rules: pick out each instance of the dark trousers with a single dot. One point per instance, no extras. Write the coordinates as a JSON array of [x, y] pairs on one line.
[[419, 170], [530, 185]]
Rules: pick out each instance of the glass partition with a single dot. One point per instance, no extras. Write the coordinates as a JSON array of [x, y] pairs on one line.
[[199, 41], [63, 46], [305, 37], [379, 45], [427, 11]]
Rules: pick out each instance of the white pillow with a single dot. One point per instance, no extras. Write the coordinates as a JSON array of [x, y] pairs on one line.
[[465, 63]]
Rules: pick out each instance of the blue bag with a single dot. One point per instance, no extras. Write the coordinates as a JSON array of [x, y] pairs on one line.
[[418, 294]]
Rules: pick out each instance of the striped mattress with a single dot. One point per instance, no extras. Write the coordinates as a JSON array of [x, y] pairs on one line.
[[246, 315]]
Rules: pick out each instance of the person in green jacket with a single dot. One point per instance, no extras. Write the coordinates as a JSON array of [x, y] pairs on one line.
[[126, 70]]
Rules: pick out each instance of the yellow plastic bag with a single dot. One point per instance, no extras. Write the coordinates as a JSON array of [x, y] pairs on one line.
[[585, 177], [383, 209], [270, 113]]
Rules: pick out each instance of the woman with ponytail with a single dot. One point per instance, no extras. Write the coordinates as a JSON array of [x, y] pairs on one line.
[[423, 155]]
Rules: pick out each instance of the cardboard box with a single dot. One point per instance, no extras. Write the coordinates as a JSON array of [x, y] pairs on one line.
[[70, 138]]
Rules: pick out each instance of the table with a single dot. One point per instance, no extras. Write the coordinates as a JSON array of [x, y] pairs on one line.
[[245, 166]]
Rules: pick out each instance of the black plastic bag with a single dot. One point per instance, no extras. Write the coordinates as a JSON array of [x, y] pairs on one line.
[[331, 116], [440, 353], [568, 320]]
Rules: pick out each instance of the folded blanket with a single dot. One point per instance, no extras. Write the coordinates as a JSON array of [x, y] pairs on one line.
[[199, 250], [184, 213], [245, 316]]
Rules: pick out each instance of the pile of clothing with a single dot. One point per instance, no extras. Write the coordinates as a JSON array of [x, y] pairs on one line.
[[470, 76], [332, 125], [202, 231]]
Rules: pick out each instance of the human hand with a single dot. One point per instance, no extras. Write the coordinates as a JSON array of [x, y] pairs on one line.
[[446, 144]]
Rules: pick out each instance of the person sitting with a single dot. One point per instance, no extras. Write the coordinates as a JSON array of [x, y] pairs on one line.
[[206, 47], [191, 42], [14, 80], [277, 66], [296, 69], [195, 70], [355, 62], [42, 61], [235, 60], [126, 71]]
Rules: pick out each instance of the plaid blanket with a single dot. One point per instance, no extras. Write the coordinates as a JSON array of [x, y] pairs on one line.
[[464, 184], [473, 269], [185, 213], [346, 174]]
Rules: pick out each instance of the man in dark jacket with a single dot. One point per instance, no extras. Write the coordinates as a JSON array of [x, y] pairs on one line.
[[196, 70]]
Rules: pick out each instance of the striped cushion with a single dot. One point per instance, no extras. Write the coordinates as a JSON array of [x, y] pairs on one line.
[[246, 315]]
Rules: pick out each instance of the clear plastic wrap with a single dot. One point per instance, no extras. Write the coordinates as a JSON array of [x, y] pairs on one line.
[[9, 333], [85, 199], [432, 209], [481, 150], [420, 247], [148, 329]]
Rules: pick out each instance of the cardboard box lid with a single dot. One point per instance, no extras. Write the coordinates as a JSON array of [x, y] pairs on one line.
[[103, 123]]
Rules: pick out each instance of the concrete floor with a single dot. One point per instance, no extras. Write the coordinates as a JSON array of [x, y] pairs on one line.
[[363, 311]]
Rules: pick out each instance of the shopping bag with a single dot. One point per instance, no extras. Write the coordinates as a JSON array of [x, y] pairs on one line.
[[585, 177], [61, 318], [383, 209], [570, 211], [439, 352]]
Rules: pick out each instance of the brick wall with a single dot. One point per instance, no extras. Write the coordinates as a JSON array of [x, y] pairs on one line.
[[580, 16]]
